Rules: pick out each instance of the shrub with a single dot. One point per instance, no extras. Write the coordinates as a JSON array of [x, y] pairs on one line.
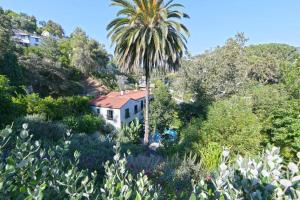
[[31, 172], [210, 156], [41, 129], [262, 178], [131, 132], [266, 98], [84, 124], [93, 152], [231, 123], [8, 109], [175, 175], [119, 183], [163, 109], [291, 79], [283, 128], [57, 109]]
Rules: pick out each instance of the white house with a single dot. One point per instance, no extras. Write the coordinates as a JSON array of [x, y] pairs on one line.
[[120, 108], [26, 39]]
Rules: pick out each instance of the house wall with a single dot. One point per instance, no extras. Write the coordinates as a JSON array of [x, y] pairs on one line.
[[119, 114], [116, 122], [33, 41], [28, 39], [130, 105]]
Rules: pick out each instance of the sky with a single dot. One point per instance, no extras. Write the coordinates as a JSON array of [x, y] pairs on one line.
[[212, 21]]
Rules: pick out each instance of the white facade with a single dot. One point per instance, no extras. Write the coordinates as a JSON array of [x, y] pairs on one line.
[[134, 107]]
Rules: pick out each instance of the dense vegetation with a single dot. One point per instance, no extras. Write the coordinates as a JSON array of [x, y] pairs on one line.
[[238, 102]]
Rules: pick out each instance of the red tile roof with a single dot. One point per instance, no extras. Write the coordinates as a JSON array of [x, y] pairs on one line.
[[116, 100]]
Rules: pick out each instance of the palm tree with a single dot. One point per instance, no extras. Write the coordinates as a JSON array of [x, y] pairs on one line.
[[148, 36]]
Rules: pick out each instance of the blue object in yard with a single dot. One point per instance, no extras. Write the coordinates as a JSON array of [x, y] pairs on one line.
[[156, 137], [170, 135]]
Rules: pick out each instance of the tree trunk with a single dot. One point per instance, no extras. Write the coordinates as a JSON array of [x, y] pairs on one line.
[[146, 135]]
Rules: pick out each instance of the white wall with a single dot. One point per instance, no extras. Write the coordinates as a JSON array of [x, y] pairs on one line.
[[130, 104], [116, 122], [119, 114]]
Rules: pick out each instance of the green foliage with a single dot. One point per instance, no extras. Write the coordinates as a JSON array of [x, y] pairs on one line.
[[231, 123], [84, 124], [87, 55], [175, 175], [132, 132], [163, 109], [48, 78], [265, 177], [291, 80], [283, 128], [120, 184], [8, 60], [94, 152], [215, 74], [31, 172], [41, 129], [228, 69], [22, 21], [54, 29], [264, 61], [56, 109], [108, 79], [210, 156], [8, 108], [265, 98]]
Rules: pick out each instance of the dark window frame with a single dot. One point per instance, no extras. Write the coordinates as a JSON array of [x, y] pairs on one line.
[[110, 115], [136, 109], [127, 113], [142, 104]]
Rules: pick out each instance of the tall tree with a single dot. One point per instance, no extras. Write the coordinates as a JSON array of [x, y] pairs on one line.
[[54, 29], [148, 35]]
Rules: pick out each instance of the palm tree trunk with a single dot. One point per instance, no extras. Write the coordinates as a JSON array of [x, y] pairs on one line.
[[146, 135]]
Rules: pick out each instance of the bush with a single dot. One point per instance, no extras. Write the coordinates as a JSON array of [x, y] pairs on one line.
[[265, 98], [175, 174], [84, 124], [41, 129], [231, 123], [93, 152], [56, 109], [283, 128], [31, 172], [262, 178], [291, 79], [119, 183], [131, 132], [163, 109], [210, 156]]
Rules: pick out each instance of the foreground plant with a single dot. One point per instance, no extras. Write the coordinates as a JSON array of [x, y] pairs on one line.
[[120, 184], [31, 172], [263, 178]]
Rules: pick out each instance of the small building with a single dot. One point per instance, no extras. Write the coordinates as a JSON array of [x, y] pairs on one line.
[[120, 108], [26, 39]]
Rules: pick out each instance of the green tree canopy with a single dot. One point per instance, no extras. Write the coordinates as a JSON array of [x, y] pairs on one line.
[[54, 29]]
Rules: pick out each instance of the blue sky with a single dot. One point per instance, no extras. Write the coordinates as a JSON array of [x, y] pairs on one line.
[[211, 23]]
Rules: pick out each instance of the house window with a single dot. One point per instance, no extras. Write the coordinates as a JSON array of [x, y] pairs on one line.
[[136, 109], [127, 113], [36, 39], [98, 110], [110, 114], [142, 105]]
